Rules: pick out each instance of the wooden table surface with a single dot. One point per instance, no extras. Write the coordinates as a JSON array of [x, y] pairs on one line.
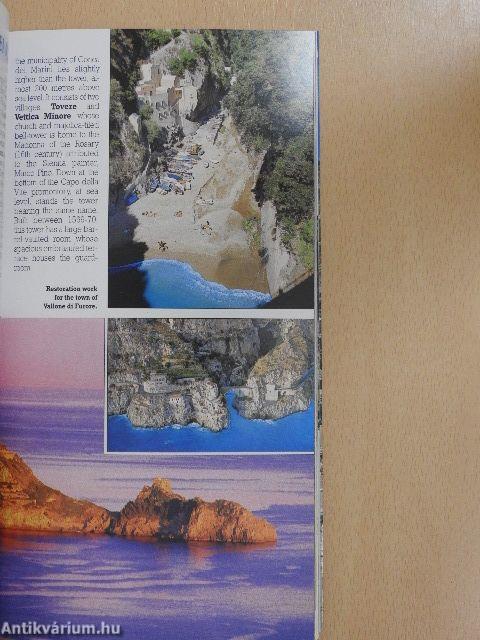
[[400, 187]]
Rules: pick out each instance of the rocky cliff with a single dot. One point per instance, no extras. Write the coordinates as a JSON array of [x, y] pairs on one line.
[[282, 381], [283, 266], [138, 139], [206, 75], [28, 504], [155, 378], [163, 372], [158, 511]]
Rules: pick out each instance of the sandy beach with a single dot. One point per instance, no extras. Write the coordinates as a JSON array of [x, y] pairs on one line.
[[203, 227]]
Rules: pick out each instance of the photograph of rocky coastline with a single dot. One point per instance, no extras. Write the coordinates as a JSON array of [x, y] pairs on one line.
[[157, 512], [212, 169], [210, 385], [217, 547]]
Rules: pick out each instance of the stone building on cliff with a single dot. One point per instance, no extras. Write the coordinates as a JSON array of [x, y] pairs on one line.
[[169, 95]]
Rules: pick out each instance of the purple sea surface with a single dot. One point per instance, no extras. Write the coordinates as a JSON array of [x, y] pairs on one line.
[[156, 590]]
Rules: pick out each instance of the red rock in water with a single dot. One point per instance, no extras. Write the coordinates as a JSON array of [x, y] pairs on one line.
[[28, 504], [157, 511]]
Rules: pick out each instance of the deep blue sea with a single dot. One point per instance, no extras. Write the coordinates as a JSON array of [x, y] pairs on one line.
[[156, 591], [170, 284], [292, 433]]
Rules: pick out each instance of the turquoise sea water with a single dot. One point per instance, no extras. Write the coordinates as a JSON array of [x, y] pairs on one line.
[[291, 433], [170, 284]]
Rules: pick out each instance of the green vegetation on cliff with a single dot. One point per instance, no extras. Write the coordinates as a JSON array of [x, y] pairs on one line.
[[291, 187], [306, 239], [290, 184], [127, 47], [156, 38], [127, 154], [186, 59], [271, 100], [153, 132], [207, 46], [271, 103], [129, 150], [267, 80]]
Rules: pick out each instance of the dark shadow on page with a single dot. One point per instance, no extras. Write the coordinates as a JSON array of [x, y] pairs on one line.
[[126, 287], [299, 297]]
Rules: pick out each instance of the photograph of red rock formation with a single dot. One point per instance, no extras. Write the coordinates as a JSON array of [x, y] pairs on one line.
[[195, 546], [157, 512]]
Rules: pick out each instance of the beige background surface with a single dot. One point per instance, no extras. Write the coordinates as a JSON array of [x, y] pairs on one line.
[[400, 198]]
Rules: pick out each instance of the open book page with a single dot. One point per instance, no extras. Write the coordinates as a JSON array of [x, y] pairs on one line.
[[159, 335], [210, 190], [56, 183]]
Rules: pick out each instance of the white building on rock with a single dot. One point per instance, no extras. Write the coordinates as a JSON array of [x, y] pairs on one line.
[[157, 383], [176, 400]]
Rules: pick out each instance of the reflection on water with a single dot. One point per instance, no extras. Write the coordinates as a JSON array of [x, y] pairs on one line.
[[155, 590], [185, 590]]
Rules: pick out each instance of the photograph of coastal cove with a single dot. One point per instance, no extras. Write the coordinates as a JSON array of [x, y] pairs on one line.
[[153, 546], [210, 385], [213, 168]]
